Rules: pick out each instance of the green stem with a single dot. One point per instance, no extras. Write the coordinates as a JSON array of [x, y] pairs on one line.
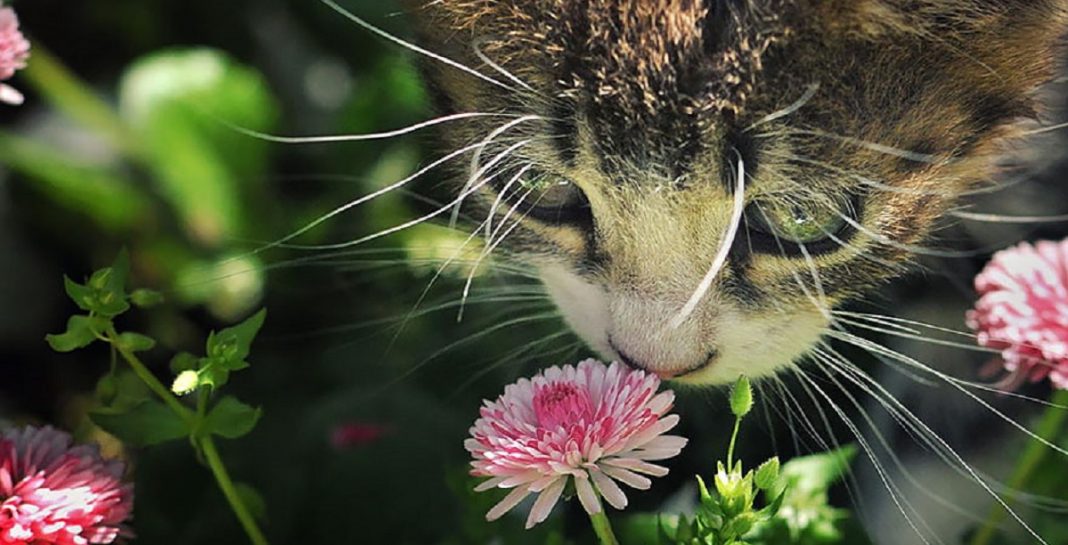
[[730, 448], [57, 84], [1049, 429], [603, 529], [141, 370], [207, 445], [211, 454]]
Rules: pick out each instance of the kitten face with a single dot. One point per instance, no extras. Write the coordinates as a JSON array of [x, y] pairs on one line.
[[853, 123]]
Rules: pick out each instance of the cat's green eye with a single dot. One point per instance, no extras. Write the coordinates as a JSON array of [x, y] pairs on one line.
[[547, 190], [798, 222], [548, 197]]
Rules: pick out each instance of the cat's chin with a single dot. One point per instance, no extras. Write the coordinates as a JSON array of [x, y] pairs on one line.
[[747, 343]]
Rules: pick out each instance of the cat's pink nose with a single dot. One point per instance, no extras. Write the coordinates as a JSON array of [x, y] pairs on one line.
[[664, 370]]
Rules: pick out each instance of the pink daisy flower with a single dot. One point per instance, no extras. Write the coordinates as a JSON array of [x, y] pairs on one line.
[[54, 493], [14, 51], [1023, 310], [592, 425]]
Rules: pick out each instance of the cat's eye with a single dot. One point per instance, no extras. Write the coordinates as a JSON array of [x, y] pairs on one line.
[[549, 198], [780, 227]]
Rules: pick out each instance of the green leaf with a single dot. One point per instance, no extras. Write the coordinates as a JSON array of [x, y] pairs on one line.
[[233, 344], [183, 104], [184, 361], [767, 474], [146, 298], [121, 391], [113, 202], [82, 295], [231, 418], [253, 500], [816, 473], [147, 423], [81, 331], [136, 342], [741, 397]]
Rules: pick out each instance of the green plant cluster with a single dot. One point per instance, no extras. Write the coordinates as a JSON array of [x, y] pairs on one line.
[[137, 408], [775, 504]]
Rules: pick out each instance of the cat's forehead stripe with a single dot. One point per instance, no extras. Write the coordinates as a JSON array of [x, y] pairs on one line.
[[652, 76]]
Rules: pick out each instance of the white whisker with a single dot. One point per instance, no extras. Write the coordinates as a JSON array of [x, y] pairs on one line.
[[410, 46], [359, 137], [724, 249]]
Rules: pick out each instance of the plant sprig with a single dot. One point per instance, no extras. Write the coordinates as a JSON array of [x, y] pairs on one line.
[[131, 412]]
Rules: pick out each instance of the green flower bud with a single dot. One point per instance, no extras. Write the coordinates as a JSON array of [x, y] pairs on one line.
[[741, 397]]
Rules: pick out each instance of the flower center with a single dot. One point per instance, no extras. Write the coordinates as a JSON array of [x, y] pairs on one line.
[[561, 404]]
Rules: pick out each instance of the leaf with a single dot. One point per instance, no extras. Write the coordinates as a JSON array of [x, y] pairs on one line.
[[232, 345], [146, 298], [174, 101], [816, 473], [112, 201], [136, 342], [81, 331], [121, 391], [253, 500], [147, 423], [184, 361], [767, 474], [231, 418], [82, 295]]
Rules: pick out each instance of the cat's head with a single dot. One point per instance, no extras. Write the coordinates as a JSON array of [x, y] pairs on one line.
[[854, 123]]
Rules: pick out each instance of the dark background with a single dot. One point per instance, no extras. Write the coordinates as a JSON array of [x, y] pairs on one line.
[[333, 353]]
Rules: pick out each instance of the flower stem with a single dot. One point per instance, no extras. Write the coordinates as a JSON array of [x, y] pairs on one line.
[[730, 448], [603, 529], [206, 444], [1048, 429], [153, 383], [211, 454]]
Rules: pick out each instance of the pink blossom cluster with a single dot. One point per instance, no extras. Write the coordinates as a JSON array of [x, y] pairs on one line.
[[1023, 310], [14, 51], [590, 424], [53, 493]]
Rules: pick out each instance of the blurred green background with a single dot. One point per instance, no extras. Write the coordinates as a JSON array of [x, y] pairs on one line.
[[128, 140]]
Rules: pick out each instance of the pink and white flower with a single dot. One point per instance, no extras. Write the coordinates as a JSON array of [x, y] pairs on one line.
[[589, 424], [53, 493], [1023, 310], [14, 51]]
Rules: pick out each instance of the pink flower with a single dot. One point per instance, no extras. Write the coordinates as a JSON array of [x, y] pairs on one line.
[[54, 493], [593, 424], [14, 50], [1023, 310]]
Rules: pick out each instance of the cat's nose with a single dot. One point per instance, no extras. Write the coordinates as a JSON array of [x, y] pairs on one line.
[[664, 370]]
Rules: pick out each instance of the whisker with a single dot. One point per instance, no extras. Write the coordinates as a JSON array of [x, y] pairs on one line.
[[902, 504], [724, 248], [282, 139], [405, 225], [1002, 218], [412, 47], [813, 88], [477, 47]]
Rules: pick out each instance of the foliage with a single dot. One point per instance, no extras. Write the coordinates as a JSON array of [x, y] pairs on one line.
[[130, 412]]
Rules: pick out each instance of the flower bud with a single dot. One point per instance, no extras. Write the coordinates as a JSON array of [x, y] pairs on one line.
[[741, 397], [185, 382]]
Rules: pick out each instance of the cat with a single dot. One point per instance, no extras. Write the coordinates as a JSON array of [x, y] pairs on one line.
[[700, 183]]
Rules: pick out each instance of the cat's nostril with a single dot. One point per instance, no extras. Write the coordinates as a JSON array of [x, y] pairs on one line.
[[665, 373]]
